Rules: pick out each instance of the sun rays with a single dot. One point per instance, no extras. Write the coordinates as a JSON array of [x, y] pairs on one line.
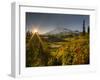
[[35, 32]]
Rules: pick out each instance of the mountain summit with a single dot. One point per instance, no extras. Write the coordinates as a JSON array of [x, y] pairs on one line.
[[60, 30]]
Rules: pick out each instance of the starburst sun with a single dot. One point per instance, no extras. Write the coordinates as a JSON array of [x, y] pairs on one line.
[[35, 31]]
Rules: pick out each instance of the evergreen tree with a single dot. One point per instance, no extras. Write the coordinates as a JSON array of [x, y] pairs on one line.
[[83, 27], [88, 30], [36, 54]]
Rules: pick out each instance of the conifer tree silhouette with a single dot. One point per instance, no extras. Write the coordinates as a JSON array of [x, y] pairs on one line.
[[88, 30], [37, 53], [83, 27]]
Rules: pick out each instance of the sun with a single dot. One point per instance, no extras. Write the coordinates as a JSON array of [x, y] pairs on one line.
[[35, 31]]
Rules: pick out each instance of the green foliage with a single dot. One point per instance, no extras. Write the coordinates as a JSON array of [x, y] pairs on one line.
[[77, 53], [40, 52]]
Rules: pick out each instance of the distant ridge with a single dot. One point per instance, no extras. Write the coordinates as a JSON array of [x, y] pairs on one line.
[[60, 30]]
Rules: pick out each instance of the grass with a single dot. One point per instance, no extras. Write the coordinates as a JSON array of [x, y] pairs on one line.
[[69, 51]]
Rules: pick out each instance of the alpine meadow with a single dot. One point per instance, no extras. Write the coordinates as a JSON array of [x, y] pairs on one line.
[[57, 39]]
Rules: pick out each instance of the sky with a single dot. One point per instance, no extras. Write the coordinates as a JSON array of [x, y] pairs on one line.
[[45, 22]]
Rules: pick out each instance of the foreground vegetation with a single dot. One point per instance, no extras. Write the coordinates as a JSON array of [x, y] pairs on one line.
[[53, 50]]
